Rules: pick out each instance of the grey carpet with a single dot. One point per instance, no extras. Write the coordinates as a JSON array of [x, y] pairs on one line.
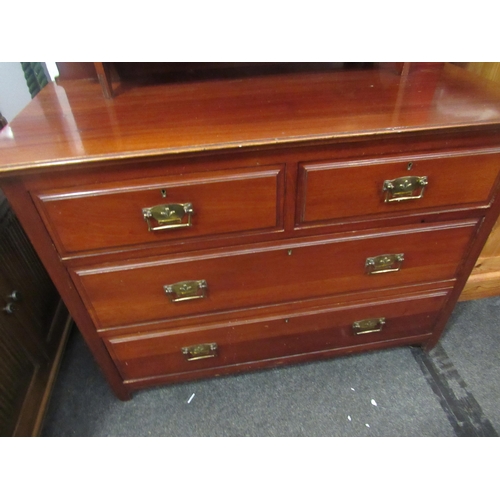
[[384, 393], [472, 342]]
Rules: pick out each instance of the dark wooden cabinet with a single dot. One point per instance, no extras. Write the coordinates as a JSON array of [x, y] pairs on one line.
[[209, 227], [34, 324]]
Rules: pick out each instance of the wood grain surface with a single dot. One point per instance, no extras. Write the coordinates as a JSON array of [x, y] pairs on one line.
[[285, 173], [72, 122], [300, 332], [130, 292]]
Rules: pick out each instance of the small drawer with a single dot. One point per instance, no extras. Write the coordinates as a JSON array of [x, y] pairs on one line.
[[126, 214], [301, 332], [374, 188], [197, 283]]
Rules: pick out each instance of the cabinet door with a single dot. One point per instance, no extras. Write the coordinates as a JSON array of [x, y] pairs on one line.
[[19, 363], [28, 340], [26, 284]]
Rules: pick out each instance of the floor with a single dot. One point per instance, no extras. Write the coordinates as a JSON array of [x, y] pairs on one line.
[[402, 392]]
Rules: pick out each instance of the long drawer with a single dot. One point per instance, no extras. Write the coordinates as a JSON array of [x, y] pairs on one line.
[[151, 290], [106, 216], [212, 346], [331, 191]]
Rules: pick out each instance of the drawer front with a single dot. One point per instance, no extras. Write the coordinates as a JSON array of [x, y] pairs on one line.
[[112, 215], [220, 345], [333, 191], [135, 293]]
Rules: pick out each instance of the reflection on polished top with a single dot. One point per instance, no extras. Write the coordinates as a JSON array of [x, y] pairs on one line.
[[71, 122]]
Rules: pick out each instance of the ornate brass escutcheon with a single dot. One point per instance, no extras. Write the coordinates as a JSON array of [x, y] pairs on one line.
[[186, 290], [368, 325], [200, 351], [386, 263], [404, 188], [169, 216]]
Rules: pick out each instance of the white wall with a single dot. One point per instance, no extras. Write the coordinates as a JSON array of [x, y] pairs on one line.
[[14, 92]]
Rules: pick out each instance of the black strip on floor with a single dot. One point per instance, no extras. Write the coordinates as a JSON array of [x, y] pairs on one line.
[[461, 408]]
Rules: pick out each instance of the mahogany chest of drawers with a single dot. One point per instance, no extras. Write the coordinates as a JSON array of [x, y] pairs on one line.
[[207, 228]]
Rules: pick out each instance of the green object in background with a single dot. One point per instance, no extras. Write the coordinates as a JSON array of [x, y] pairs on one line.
[[3, 121], [35, 77]]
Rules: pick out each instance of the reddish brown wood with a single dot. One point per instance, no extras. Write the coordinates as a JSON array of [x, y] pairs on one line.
[[396, 67], [275, 362], [328, 189], [76, 70], [104, 77], [132, 292], [281, 309], [32, 223], [72, 123], [110, 215], [301, 332], [276, 163]]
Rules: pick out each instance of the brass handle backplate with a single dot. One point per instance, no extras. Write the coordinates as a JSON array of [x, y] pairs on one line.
[[404, 188], [368, 325], [171, 216], [384, 263], [200, 351], [186, 290]]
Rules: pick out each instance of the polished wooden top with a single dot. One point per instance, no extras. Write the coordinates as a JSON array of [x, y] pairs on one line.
[[71, 122]]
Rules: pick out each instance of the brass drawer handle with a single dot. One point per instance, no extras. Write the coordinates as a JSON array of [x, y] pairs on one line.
[[200, 351], [186, 290], [168, 216], [368, 326], [387, 263], [404, 188]]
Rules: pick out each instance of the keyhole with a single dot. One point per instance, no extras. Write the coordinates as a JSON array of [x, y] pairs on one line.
[[163, 193], [410, 165]]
